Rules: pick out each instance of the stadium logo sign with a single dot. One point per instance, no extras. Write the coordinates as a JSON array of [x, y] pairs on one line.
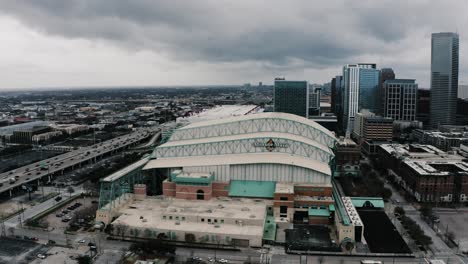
[[270, 145]]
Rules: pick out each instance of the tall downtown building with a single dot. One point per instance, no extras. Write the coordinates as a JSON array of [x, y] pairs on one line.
[[291, 97], [444, 78], [400, 99], [360, 91]]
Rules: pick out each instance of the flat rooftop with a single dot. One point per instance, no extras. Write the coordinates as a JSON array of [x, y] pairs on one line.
[[149, 213], [437, 168], [419, 152], [284, 188]]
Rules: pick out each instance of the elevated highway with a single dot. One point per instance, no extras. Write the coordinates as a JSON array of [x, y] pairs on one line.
[[44, 170]]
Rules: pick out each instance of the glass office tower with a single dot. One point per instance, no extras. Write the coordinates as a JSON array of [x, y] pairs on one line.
[[369, 89], [444, 78], [360, 90], [292, 97]]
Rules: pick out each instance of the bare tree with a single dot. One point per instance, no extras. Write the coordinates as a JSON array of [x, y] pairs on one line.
[[11, 230], [320, 259], [70, 190]]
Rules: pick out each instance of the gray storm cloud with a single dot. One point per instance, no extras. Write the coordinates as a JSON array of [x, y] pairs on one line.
[[277, 34]]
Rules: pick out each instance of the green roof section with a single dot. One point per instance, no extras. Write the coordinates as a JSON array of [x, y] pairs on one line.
[[180, 177], [256, 189], [269, 229], [375, 202], [319, 212], [331, 207]]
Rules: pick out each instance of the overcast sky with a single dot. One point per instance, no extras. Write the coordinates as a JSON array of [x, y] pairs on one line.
[[56, 43]]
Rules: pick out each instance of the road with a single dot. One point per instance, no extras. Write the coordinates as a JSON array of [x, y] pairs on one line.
[[281, 258], [438, 247], [37, 209], [58, 164]]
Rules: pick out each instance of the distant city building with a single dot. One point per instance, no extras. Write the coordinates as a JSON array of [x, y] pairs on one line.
[[291, 97], [361, 83], [385, 74], [370, 131], [314, 99], [358, 130], [337, 98], [444, 78], [462, 91], [446, 139], [423, 106], [400, 99], [25, 135]]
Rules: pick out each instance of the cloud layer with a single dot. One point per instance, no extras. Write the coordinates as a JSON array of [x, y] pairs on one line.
[[217, 41]]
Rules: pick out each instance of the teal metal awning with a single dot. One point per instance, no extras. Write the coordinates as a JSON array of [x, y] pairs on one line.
[[269, 229], [257, 189], [375, 202], [319, 212]]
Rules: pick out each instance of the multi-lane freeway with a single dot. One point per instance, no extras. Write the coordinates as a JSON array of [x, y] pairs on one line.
[[57, 165]]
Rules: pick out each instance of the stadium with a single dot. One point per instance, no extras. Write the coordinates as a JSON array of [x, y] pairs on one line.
[[239, 180]]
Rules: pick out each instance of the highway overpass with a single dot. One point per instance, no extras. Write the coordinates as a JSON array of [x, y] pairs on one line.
[[47, 168]]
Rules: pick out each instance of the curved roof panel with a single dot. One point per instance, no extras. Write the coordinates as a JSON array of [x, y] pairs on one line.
[[260, 135], [263, 115], [237, 159]]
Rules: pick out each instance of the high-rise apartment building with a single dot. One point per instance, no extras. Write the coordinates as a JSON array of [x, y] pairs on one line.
[[444, 78], [291, 97], [400, 99], [361, 84]]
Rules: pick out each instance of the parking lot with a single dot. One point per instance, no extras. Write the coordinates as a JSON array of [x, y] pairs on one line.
[[455, 222], [16, 251], [77, 209], [61, 255]]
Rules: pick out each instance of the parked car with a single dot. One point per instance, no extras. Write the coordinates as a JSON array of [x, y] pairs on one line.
[[41, 256]]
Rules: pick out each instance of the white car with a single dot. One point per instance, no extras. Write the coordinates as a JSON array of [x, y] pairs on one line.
[[223, 261], [82, 241], [41, 256]]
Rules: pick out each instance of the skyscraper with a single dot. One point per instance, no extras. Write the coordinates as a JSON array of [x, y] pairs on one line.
[[291, 97], [444, 78], [360, 91], [369, 89], [400, 97]]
